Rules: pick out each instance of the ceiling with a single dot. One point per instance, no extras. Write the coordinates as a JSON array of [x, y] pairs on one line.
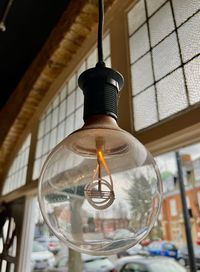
[[28, 25]]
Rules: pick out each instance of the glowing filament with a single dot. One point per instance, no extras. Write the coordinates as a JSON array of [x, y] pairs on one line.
[[99, 192]]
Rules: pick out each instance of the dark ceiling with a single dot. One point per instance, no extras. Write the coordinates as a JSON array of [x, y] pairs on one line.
[[28, 25]]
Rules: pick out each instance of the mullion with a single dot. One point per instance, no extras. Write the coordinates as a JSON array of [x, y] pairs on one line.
[[180, 53], [151, 56]]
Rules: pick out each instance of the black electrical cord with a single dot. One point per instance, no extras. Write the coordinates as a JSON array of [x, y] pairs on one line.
[[100, 32]]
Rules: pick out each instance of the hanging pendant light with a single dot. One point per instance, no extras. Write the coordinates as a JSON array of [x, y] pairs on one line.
[[100, 190]]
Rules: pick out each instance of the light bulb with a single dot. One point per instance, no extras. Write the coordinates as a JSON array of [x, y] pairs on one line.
[[100, 189]]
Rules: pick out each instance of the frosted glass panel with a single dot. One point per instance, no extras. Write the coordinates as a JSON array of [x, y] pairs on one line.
[[72, 84], [189, 35], [161, 24], [183, 9], [145, 112], [192, 72], [136, 16], [106, 46], [166, 56], [71, 103], [63, 93], [79, 98], [69, 124], [139, 43], [62, 110], [79, 118], [16, 176], [92, 59], [171, 94], [142, 75], [153, 5]]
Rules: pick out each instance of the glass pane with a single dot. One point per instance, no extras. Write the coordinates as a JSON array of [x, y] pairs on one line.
[[136, 16], [16, 176], [144, 106], [142, 75], [72, 84], [139, 43], [79, 97], [63, 93], [192, 72], [189, 35], [70, 103], [54, 118], [108, 62], [55, 102], [39, 149], [81, 69], [161, 24], [79, 118], [166, 56], [69, 124], [171, 94], [92, 59], [106, 46], [47, 123], [41, 129], [45, 144], [62, 110], [53, 137], [153, 5], [61, 132], [183, 9]]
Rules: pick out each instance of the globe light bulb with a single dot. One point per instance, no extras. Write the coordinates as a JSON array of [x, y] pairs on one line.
[[100, 189]]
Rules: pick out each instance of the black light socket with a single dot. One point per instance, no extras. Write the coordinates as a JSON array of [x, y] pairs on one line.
[[100, 86]]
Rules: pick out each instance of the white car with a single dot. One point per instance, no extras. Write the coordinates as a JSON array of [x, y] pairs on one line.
[[41, 258]]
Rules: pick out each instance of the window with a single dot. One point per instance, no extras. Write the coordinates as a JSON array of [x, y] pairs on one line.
[[65, 113], [164, 42], [16, 176]]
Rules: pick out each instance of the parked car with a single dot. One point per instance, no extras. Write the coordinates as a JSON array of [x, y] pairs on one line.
[[162, 248], [90, 264], [52, 243], [120, 234], [183, 256], [135, 250], [149, 264], [41, 258]]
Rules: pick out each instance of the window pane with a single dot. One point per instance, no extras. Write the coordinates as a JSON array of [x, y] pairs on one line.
[[92, 59], [62, 110], [72, 84], [161, 24], [16, 176], [153, 5], [183, 9], [142, 75], [166, 56], [139, 43], [189, 35], [136, 16], [79, 118], [171, 94], [145, 111], [69, 124], [71, 103], [79, 98], [192, 72]]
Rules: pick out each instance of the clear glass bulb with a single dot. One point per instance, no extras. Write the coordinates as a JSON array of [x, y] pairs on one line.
[[100, 190]]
